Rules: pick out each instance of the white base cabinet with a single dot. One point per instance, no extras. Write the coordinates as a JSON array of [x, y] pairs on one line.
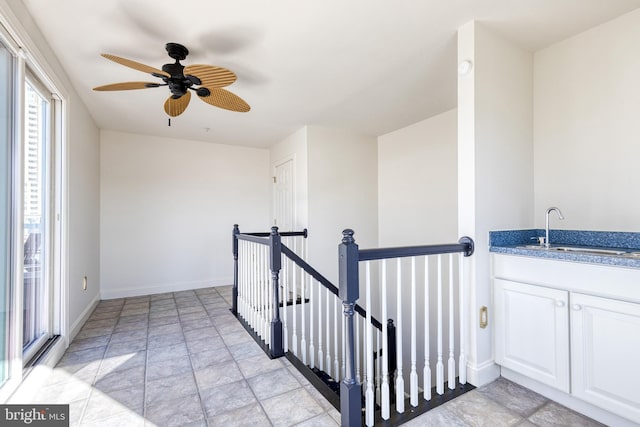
[[605, 353], [574, 327], [532, 331]]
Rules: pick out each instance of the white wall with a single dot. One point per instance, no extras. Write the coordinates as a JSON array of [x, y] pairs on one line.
[[417, 205], [417, 183], [587, 104], [168, 207], [84, 213], [343, 177], [495, 172]]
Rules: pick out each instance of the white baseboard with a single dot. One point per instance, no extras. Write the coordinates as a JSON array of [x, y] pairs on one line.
[[482, 374], [591, 411], [77, 325], [134, 291]]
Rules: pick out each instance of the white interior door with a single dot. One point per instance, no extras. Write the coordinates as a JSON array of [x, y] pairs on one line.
[[283, 195]]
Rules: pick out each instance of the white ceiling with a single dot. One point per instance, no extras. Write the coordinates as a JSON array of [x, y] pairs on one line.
[[372, 66]]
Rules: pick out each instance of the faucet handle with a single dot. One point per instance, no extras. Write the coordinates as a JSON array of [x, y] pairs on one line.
[[540, 239]]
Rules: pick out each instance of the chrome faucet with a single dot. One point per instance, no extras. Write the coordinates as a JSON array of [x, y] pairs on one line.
[[546, 220]]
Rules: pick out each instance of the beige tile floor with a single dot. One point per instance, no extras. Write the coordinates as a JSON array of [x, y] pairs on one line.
[[181, 359]]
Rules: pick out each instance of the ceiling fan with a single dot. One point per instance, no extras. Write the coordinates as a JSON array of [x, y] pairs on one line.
[[206, 81]]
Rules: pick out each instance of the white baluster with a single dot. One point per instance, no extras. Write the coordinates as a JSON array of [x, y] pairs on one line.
[[385, 348], [259, 273], [263, 290], [240, 276], [369, 397], [269, 303], [303, 341], [358, 345], [263, 330], [263, 316], [426, 374], [245, 278], [413, 376], [320, 353], [253, 265], [256, 289], [336, 364], [312, 349], [344, 347], [294, 312], [399, 376], [439, 364], [283, 299], [263, 303], [378, 368], [255, 271], [259, 266], [242, 282], [451, 381], [258, 284], [328, 356], [462, 362]]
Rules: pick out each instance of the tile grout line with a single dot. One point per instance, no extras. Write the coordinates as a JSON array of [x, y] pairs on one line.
[[95, 377], [286, 368], [243, 377], [193, 372], [146, 370], [233, 358]]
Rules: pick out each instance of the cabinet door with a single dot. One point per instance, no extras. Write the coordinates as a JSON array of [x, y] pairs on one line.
[[605, 356], [532, 331]]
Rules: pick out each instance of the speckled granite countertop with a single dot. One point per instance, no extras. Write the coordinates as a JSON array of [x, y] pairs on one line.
[[508, 242]]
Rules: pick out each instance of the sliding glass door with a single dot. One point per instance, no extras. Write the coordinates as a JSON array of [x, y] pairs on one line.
[[6, 175], [36, 218]]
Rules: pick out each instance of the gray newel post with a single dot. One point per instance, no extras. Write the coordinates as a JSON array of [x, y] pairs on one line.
[[234, 306], [275, 253], [350, 389]]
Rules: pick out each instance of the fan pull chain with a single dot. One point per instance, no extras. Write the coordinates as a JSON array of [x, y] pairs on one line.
[[169, 121]]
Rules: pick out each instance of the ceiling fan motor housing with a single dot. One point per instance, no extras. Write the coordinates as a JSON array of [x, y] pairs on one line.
[[178, 83]]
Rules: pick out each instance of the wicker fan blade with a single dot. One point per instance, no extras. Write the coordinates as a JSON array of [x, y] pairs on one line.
[[135, 65], [210, 76], [175, 107], [224, 99], [126, 86]]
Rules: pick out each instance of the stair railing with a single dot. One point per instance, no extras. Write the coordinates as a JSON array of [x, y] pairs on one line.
[[354, 348], [320, 344], [351, 261], [257, 261], [313, 328]]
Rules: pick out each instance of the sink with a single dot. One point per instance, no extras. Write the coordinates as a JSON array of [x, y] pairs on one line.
[[584, 250], [594, 251]]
